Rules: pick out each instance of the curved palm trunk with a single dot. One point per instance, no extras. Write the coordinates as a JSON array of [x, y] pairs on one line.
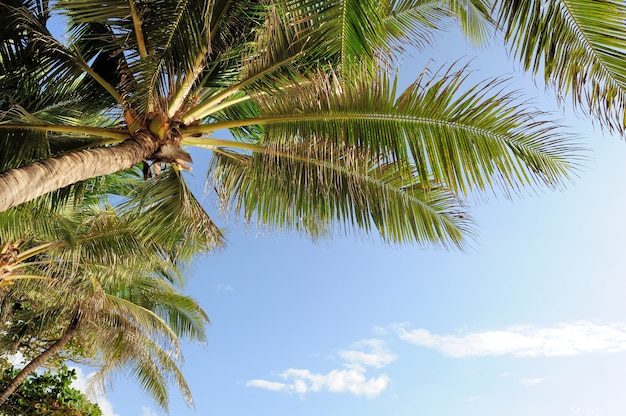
[[38, 178], [40, 360]]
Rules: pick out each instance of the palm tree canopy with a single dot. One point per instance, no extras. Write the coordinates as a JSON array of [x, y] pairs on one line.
[[321, 137], [118, 287]]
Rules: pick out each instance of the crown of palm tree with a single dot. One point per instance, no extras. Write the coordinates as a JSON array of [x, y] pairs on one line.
[[320, 135], [95, 291]]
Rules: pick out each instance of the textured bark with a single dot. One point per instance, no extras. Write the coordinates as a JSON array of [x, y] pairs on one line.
[[35, 179], [39, 361]]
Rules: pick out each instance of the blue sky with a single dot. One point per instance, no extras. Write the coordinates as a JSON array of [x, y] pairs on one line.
[[531, 320]]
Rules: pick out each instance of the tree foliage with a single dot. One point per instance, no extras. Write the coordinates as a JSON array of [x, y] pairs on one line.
[[296, 99], [89, 283], [47, 394], [579, 46]]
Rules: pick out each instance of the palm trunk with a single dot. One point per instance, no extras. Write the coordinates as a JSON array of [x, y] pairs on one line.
[[38, 178], [40, 360]]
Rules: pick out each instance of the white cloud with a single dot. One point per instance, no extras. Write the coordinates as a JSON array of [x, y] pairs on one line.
[[471, 399], [267, 385], [81, 382], [378, 356], [529, 382], [380, 330], [350, 379], [16, 360], [146, 411], [524, 341], [221, 287]]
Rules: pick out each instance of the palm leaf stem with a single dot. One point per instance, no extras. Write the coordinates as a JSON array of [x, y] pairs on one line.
[[210, 128], [225, 104], [6, 281], [205, 108], [141, 43], [187, 84], [110, 89], [39, 249], [214, 143], [52, 128]]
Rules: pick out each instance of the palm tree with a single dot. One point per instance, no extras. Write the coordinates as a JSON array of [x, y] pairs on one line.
[[87, 285], [315, 131], [580, 46]]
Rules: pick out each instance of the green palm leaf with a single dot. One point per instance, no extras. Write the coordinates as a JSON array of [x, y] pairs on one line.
[[164, 210], [580, 47], [117, 283], [467, 140], [316, 187]]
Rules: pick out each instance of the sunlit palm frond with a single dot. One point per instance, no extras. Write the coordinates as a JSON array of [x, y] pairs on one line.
[[27, 223], [369, 32], [131, 313], [182, 313], [464, 137], [345, 30], [177, 36], [165, 211], [280, 53], [315, 187], [283, 48], [142, 359], [579, 45], [233, 24], [475, 18]]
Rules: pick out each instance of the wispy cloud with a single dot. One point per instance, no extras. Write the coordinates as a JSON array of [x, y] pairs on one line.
[[350, 379], [524, 341], [268, 385], [146, 411], [529, 382], [221, 287], [81, 382], [376, 354]]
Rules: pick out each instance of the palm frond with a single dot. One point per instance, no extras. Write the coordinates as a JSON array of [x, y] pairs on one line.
[[177, 36], [579, 45], [182, 313], [315, 187], [132, 313], [32, 60], [144, 360], [463, 137], [165, 211], [475, 18]]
